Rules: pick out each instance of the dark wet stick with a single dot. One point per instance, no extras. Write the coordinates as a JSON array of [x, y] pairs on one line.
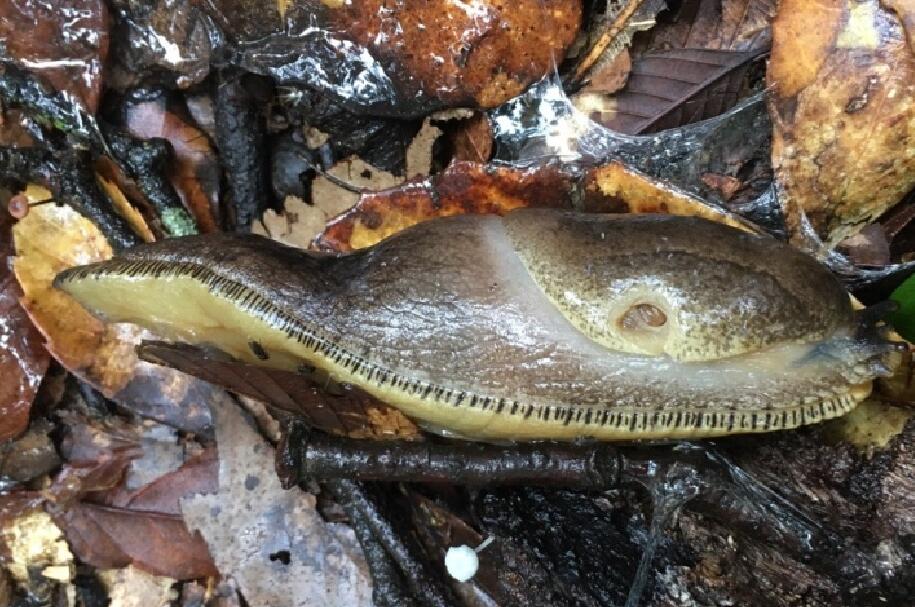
[[363, 508], [73, 182], [321, 457], [240, 138], [146, 162], [387, 583]]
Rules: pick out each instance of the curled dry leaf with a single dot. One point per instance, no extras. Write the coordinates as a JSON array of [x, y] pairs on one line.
[[51, 238], [299, 222], [843, 76], [63, 41], [467, 187], [194, 171], [23, 358]]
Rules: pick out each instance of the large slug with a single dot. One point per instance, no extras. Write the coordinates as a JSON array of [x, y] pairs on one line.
[[537, 325]]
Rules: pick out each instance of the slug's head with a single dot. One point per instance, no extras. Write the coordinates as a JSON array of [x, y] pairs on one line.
[[680, 287]]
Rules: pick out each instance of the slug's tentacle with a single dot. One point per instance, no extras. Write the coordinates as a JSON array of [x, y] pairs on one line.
[[541, 325]]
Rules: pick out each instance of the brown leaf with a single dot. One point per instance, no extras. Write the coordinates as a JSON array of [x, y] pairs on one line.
[[667, 89], [844, 114], [114, 527], [23, 358], [52, 238], [348, 412], [199, 474], [463, 187], [613, 32], [467, 187], [64, 41], [730, 25], [617, 188], [159, 543], [194, 171], [471, 139]]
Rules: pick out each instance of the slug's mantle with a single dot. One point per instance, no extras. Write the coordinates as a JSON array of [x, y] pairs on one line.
[[537, 325]]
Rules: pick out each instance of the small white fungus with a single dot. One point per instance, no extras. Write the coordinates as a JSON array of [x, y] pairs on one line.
[[461, 562]]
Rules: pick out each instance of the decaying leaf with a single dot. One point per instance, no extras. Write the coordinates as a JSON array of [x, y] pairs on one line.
[[731, 25], [274, 542], [63, 41], [109, 526], [613, 32], [667, 89], [466, 187], [158, 543], [843, 76], [23, 358], [403, 59], [32, 542], [300, 222], [133, 587], [463, 187], [195, 170], [52, 238], [323, 404]]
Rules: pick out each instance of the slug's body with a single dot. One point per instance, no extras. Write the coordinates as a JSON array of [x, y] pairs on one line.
[[538, 325]]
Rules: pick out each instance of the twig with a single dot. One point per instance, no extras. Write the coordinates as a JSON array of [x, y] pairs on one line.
[[304, 455], [361, 507], [146, 162]]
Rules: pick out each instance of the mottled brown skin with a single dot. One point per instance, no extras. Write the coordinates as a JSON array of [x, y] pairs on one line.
[[458, 318]]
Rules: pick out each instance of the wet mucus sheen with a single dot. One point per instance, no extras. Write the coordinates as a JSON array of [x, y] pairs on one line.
[[538, 325]]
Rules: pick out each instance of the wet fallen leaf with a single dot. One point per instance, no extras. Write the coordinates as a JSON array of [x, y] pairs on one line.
[[300, 221], [466, 187], [63, 41], [617, 188], [463, 187], [23, 358], [843, 76], [667, 89], [733, 25], [52, 238], [195, 171], [275, 544], [471, 139], [336, 410], [111, 526]]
